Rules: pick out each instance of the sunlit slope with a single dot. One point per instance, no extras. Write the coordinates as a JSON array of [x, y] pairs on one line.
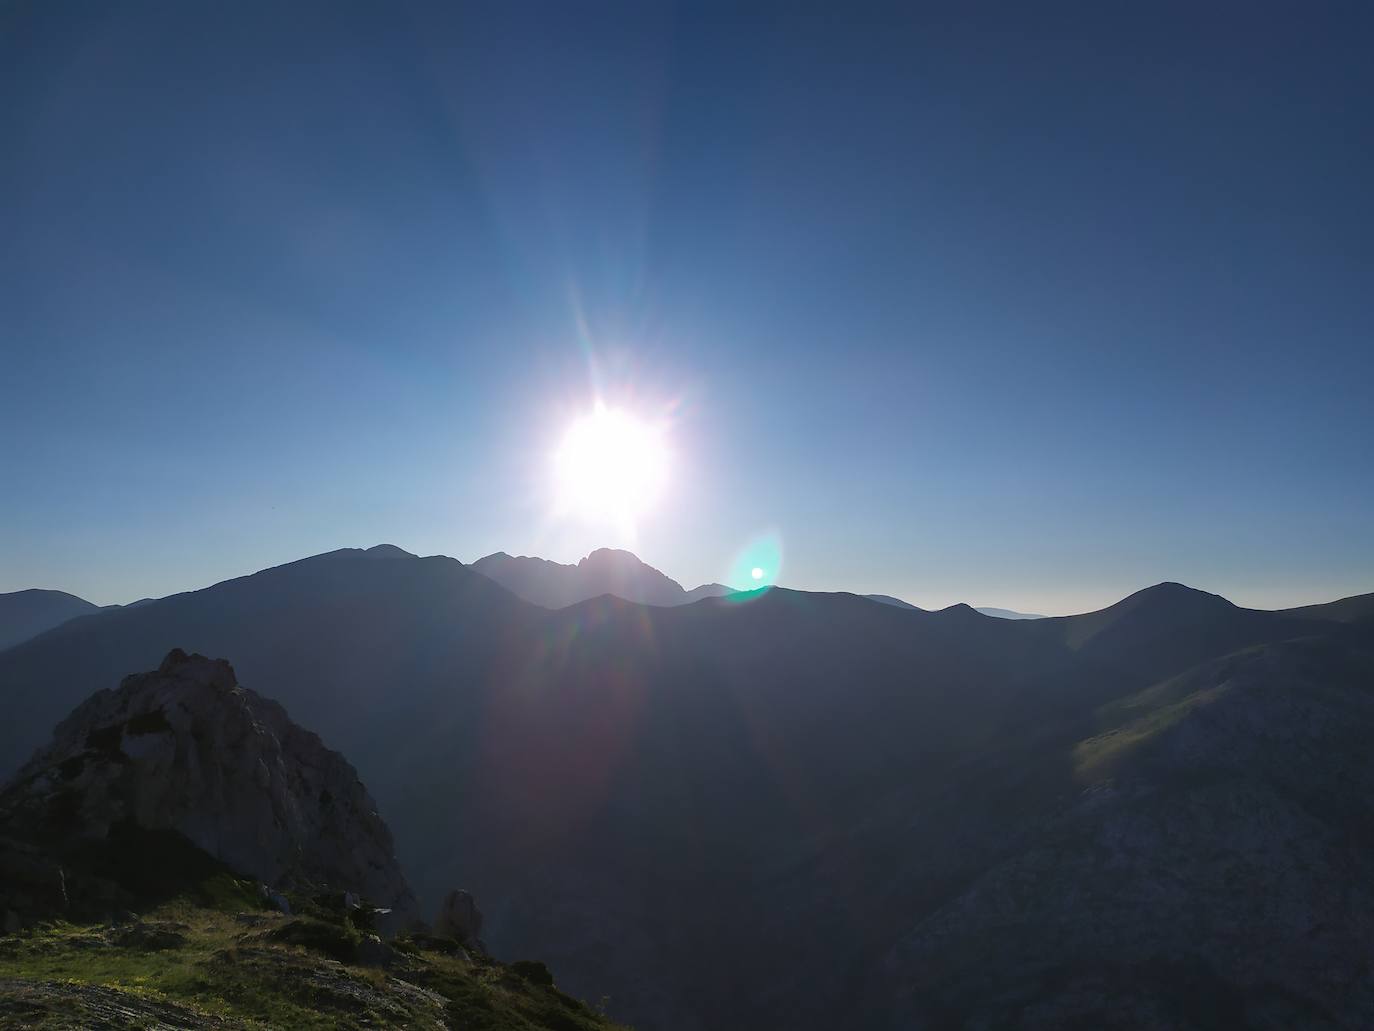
[[1211, 871]]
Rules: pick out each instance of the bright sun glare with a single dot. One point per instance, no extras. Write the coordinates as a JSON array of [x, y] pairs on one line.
[[611, 466]]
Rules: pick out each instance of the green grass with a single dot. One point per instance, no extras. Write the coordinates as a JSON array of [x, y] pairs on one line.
[[338, 941], [1138, 720], [211, 946], [278, 971]]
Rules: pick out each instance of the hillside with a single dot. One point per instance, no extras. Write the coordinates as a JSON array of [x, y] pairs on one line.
[[25, 614], [815, 773], [1213, 871], [181, 854], [1356, 609], [201, 961]]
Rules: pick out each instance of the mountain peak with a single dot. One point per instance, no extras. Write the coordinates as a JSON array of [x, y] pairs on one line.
[[1162, 609], [555, 585], [960, 608], [26, 614], [1173, 593], [185, 748], [612, 555], [388, 551]]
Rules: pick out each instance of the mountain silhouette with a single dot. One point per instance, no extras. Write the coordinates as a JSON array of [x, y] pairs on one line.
[[553, 585], [1009, 613], [647, 796], [887, 599], [1356, 609], [25, 614]]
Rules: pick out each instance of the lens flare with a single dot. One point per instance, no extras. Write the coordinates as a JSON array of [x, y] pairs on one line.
[[756, 567]]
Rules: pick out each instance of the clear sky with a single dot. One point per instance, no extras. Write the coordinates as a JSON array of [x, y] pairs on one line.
[[1030, 307]]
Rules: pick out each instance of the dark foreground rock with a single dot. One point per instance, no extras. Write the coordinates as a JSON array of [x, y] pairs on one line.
[[459, 918], [62, 1004], [136, 854], [186, 749]]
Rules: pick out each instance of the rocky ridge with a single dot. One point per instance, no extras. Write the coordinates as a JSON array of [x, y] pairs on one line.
[[187, 749]]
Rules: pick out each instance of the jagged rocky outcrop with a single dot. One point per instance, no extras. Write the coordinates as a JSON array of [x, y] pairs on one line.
[[459, 918], [187, 749]]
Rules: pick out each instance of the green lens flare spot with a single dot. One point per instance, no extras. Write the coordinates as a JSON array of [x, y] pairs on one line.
[[756, 567]]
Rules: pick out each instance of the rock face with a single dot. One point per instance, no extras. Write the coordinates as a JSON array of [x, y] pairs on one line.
[[459, 918], [187, 749]]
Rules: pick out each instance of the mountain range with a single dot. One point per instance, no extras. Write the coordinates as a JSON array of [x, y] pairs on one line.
[[551, 585], [791, 809], [1009, 613], [605, 571], [887, 599]]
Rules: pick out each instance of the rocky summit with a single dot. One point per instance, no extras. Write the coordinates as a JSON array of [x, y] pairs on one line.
[[187, 749]]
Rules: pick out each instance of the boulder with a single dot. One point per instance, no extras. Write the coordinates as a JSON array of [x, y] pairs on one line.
[[373, 952], [150, 937], [458, 918]]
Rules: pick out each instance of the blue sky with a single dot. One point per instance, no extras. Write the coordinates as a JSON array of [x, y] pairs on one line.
[[1021, 308]]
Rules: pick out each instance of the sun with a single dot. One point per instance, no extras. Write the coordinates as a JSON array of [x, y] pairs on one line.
[[611, 466]]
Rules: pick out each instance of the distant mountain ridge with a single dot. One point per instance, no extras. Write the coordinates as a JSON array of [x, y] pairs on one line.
[[996, 613], [25, 614], [554, 585], [624, 780], [1009, 613], [28, 613], [896, 603]]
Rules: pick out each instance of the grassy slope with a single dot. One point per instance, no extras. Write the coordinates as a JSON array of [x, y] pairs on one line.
[[237, 970]]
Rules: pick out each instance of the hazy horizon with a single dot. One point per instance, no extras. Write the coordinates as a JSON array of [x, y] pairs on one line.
[[688, 583]]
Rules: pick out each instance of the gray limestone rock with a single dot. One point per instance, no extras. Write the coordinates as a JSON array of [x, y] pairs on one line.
[[186, 748], [458, 918]]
